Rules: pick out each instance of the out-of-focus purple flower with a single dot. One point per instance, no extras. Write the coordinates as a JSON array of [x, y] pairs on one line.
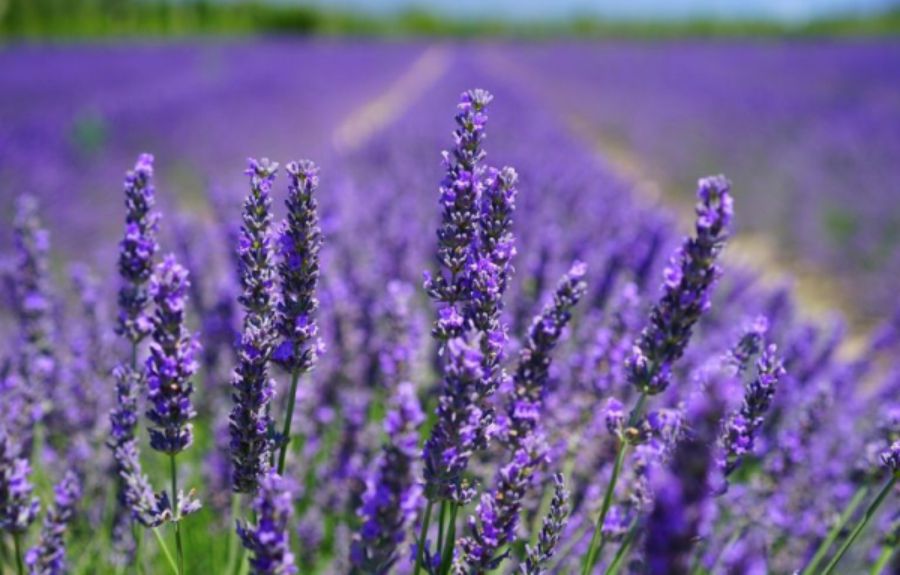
[[738, 436], [299, 242], [33, 307], [391, 497], [172, 362], [18, 508], [750, 343], [460, 214], [268, 540], [687, 286], [136, 250], [536, 557], [49, 557], [250, 421], [682, 497], [891, 458], [460, 426]]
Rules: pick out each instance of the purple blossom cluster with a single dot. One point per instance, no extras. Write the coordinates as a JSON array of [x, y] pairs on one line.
[[582, 425]]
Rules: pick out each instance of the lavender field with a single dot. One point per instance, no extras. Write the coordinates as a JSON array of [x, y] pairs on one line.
[[299, 339]]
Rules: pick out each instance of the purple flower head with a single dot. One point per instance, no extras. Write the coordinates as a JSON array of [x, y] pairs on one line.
[[18, 508], [300, 240], [615, 417], [461, 424], [49, 557], [249, 422], [268, 540], [741, 428], [537, 557], [390, 500], [891, 458], [172, 361], [136, 250], [687, 286]]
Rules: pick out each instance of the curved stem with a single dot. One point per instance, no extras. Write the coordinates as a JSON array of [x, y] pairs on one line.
[[861, 524], [165, 550], [624, 548], [17, 543], [178, 547], [826, 544], [423, 533], [288, 419]]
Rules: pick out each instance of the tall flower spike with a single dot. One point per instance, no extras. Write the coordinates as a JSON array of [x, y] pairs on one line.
[[172, 361], [457, 234], [18, 508], [33, 305], [269, 539], [250, 421], [687, 288], [298, 245], [741, 428], [136, 251], [49, 557], [497, 514], [536, 557], [460, 425], [391, 496]]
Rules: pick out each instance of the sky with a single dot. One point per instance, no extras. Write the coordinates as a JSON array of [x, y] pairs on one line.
[[783, 10]]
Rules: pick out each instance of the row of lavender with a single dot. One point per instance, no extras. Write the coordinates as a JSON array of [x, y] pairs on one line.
[[686, 423], [805, 129]]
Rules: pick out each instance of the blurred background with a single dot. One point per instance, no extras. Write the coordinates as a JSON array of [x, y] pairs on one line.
[[797, 101]]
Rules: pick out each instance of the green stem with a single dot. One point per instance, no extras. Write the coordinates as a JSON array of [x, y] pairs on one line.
[[883, 560], [232, 536], [597, 539], [624, 548], [861, 524], [179, 550], [829, 540], [288, 419], [423, 533], [442, 518], [165, 550], [17, 543], [450, 543]]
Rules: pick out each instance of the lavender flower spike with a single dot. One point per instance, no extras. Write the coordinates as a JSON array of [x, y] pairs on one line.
[[299, 243], [391, 496], [460, 192], [33, 303], [689, 279], [536, 558], [269, 539], [49, 557], [172, 361], [460, 426], [18, 508], [250, 421], [498, 512], [136, 251], [741, 428]]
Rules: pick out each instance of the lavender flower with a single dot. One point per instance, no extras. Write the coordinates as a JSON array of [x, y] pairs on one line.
[[460, 425], [269, 539], [536, 557], [740, 430], [33, 306], [172, 361], [18, 508], [460, 214], [49, 557], [136, 251], [391, 497], [689, 279], [299, 243], [250, 421], [891, 458], [498, 512], [147, 507]]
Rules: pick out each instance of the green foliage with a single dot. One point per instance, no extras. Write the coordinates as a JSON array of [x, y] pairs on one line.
[[84, 19]]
